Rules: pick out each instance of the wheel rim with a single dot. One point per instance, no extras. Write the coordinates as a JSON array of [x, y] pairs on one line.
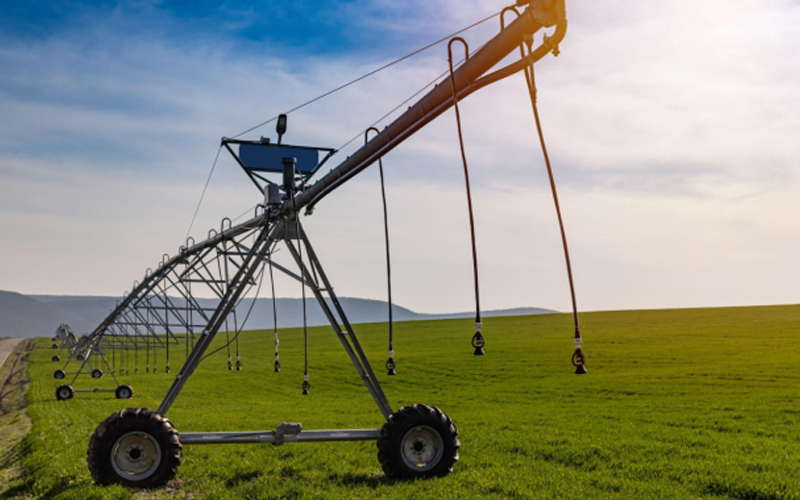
[[136, 456], [124, 393], [64, 393], [422, 448]]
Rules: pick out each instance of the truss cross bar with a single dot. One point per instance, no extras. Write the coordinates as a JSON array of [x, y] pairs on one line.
[[239, 283], [170, 307], [287, 272], [191, 302]]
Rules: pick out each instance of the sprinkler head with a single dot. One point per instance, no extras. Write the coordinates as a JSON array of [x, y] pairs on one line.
[[478, 343], [238, 365], [306, 387], [277, 366], [578, 361], [166, 369], [390, 366], [230, 365]]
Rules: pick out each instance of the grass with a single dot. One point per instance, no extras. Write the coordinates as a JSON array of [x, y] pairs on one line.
[[677, 404], [14, 424]]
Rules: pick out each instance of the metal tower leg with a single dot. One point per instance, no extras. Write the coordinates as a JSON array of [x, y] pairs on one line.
[[347, 337]]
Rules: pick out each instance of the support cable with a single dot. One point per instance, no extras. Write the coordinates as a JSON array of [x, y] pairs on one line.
[[415, 94], [147, 340], [477, 340], [155, 344], [366, 75], [390, 364], [247, 317], [298, 228], [236, 327], [578, 358], [227, 285], [277, 364], [166, 327], [203, 194]]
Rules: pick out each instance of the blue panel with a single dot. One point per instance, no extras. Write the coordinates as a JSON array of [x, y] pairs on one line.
[[268, 157]]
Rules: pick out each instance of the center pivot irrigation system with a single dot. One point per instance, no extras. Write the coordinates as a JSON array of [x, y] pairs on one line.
[[141, 448]]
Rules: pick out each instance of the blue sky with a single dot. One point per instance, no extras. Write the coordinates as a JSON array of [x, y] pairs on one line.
[[674, 138], [298, 28]]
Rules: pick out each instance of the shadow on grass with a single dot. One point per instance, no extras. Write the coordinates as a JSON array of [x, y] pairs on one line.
[[242, 477], [18, 491], [361, 479], [746, 492]]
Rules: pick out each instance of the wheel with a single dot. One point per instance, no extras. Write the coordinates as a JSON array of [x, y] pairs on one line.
[[124, 392], [80, 357], [59, 374], [418, 441], [97, 373], [64, 392], [56, 358], [135, 447], [55, 346]]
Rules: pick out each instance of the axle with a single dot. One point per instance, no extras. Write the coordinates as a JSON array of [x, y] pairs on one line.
[[284, 433]]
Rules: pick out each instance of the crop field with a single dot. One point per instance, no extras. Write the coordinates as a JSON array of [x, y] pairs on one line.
[[701, 403]]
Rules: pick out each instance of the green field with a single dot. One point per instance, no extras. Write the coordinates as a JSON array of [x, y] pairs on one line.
[[677, 404]]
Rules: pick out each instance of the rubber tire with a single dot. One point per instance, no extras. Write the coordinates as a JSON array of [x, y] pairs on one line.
[[399, 423], [59, 375], [56, 358], [134, 420], [119, 393], [97, 373], [68, 392], [79, 357], [55, 346]]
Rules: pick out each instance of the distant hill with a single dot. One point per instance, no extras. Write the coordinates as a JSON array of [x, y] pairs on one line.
[[23, 316], [39, 315]]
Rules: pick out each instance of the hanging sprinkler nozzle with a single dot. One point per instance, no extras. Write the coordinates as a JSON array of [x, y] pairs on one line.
[[306, 385], [578, 359], [390, 365], [477, 340]]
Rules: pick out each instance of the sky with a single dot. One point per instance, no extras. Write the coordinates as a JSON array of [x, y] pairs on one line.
[[673, 128]]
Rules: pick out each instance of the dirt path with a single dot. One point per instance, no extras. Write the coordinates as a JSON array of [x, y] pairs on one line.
[[6, 346]]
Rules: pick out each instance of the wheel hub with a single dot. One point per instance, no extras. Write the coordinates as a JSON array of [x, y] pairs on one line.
[[422, 448], [136, 456]]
